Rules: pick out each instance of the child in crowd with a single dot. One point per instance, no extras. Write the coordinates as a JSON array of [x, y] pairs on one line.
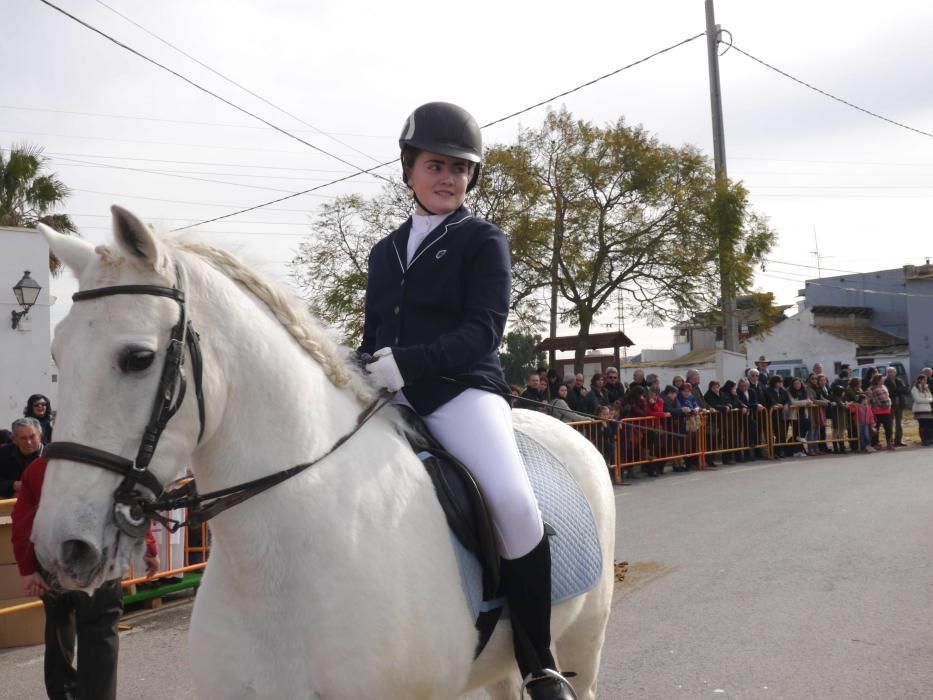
[[866, 423]]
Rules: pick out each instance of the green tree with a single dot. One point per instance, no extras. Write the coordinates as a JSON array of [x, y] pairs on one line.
[[600, 211], [28, 194], [520, 359], [331, 265]]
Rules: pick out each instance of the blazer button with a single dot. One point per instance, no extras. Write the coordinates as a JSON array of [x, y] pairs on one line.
[[397, 310], [396, 341], [403, 282]]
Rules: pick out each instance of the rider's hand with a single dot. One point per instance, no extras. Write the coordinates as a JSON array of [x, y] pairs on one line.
[[385, 371]]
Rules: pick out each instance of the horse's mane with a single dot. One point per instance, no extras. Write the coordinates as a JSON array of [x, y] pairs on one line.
[[301, 325]]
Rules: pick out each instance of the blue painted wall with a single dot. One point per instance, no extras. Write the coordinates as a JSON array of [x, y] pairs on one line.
[[920, 311], [906, 316], [891, 308]]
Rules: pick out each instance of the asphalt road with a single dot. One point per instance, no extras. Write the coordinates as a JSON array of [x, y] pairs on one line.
[[803, 578]]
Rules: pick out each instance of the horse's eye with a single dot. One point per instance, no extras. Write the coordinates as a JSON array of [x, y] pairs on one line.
[[136, 360]]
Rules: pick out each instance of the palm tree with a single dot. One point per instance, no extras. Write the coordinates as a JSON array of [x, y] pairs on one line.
[[28, 195]]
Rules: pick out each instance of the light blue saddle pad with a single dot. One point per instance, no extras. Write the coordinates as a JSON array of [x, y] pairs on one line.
[[576, 561]]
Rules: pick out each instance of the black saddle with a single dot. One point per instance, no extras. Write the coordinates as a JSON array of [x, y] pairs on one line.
[[460, 499]]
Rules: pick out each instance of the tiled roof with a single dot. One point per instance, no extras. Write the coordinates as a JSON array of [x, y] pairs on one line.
[[867, 339], [594, 341], [865, 311]]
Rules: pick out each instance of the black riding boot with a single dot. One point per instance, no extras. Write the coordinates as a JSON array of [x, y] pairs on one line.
[[528, 590]]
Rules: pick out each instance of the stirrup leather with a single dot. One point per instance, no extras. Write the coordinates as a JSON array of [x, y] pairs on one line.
[[549, 673]]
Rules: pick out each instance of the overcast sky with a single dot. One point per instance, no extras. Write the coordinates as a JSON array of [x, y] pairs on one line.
[[354, 70]]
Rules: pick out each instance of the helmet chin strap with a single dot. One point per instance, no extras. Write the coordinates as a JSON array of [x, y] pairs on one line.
[[420, 204]]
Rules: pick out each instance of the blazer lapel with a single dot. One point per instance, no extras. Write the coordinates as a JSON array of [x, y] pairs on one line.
[[438, 233]]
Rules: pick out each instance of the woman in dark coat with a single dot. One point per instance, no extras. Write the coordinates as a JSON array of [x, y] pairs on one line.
[[778, 401], [437, 299], [39, 407]]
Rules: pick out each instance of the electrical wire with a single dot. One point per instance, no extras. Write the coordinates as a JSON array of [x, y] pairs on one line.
[[202, 88], [188, 201], [189, 162], [810, 283], [71, 162], [596, 80], [484, 126], [192, 123], [233, 82], [830, 96]]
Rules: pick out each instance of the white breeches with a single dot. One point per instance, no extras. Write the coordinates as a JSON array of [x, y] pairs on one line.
[[476, 428]]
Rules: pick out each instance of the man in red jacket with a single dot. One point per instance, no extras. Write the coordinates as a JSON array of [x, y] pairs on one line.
[[71, 614]]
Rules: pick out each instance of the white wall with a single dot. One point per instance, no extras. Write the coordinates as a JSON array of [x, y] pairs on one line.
[[25, 364], [797, 338]]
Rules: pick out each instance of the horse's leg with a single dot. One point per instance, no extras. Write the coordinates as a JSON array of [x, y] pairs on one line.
[[579, 646], [506, 689]]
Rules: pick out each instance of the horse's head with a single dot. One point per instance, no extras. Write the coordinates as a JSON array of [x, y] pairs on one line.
[[110, 351]]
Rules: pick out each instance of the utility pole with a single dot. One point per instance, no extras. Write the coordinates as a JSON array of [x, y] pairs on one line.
[[730, 324]]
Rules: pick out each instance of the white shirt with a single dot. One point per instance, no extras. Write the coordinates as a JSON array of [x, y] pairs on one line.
[[421, 226]]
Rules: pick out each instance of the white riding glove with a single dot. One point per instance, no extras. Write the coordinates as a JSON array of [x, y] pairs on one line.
[[385, 370]]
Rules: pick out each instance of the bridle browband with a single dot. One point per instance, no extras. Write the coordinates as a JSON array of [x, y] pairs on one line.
[[129, 512], [133, 510]]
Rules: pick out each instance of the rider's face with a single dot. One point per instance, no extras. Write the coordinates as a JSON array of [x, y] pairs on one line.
[[439, 182]]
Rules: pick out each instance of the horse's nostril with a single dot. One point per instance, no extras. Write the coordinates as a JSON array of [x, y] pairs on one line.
[[78, 554]]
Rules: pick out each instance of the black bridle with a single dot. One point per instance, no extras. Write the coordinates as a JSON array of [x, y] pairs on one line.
[[132, 510], [130, 505]]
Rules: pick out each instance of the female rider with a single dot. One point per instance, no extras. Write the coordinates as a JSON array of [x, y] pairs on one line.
[[437, 299]]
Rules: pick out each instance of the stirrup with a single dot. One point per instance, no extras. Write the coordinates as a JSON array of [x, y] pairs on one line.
[[548, 673]]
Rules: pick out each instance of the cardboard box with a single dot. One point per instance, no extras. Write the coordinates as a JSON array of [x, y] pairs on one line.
[[21, 629], [11, 585], [6, 506]]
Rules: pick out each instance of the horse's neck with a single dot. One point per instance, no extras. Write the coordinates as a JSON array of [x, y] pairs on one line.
[[276, 407]]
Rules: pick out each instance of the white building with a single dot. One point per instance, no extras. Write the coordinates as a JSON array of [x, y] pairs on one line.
[[829, 335], [25, 358]]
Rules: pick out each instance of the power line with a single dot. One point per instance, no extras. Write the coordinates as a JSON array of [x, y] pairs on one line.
[[596, 80], [497, 121], [858, 290], [187, 201], [225, 233], [200, 87], [188, 218], [192, 122], [811, 267], [233, 82], [834, 162], [830, 96], [88, 164], [164, 174], [155, 143], [190, 162]]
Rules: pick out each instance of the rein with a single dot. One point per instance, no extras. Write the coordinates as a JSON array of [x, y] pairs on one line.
[[203, 507]]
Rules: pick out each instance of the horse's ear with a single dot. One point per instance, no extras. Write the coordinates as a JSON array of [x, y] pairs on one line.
[[135, 238], [75, 252]]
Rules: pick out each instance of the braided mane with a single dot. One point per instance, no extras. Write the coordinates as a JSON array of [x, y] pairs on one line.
[[303, 327]]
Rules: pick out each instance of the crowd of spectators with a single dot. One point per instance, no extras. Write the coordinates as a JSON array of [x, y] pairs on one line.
[[732, 419]]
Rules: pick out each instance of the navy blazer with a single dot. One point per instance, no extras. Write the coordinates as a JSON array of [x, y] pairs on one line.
[[443, 313]]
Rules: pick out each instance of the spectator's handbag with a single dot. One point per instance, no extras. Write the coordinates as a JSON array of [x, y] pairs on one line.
[[693, 423]]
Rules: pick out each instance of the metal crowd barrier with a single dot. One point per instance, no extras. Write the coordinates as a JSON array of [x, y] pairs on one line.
[[761, 433]]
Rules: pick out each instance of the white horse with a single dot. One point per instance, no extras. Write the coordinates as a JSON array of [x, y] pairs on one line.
[[340, 583]]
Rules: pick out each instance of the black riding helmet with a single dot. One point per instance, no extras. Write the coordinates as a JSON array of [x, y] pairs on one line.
[[445, 128]]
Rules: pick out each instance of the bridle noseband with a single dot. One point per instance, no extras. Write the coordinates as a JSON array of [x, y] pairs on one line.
[[130, 506]]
